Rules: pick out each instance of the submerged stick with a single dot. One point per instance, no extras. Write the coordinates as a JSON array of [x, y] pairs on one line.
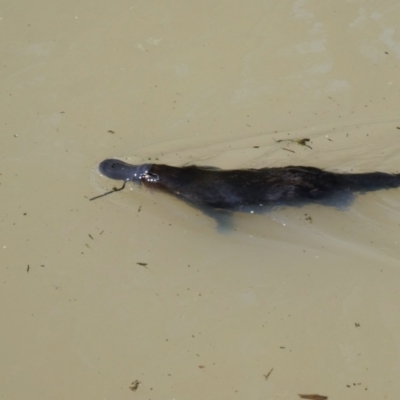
[[111, 191]]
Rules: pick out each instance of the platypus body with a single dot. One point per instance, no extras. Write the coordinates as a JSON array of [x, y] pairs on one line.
[[248, 189]]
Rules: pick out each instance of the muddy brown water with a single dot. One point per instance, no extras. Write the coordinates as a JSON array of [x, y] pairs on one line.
[[137, 295]]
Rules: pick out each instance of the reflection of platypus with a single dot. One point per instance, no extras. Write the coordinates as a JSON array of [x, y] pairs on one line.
[[248, 189]]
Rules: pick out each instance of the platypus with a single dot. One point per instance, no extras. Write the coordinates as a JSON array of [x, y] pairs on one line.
[[248, 189]]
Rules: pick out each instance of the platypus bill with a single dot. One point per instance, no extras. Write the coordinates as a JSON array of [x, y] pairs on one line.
[[248, 189]]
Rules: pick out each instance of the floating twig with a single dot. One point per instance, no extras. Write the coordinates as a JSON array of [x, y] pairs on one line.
[[111, 191]]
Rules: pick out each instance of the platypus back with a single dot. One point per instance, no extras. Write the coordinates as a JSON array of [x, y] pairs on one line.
[[242, 189]]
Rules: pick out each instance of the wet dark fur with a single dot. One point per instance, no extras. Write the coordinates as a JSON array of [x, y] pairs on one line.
[[219, 192], [254, 188]]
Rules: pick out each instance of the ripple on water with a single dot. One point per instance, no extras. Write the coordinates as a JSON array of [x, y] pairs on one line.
[[348, 223]]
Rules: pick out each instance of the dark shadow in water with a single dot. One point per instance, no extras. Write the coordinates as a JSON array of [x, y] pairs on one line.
[[225, 219]]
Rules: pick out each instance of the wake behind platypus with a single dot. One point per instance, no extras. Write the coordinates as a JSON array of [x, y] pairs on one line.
[[248, 189]]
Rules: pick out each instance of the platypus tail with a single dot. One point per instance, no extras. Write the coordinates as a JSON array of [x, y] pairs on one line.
[[370, 181]]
